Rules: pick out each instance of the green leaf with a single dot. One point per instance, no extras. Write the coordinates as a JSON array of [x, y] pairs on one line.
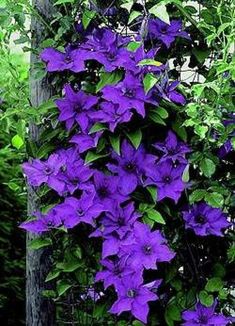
[[115, 142], [153, 192], [108, 78], [207, 167], [172, 313], [160, 12], [44, 150], [52, 275], [40, 243], [97, 127], [69, 267], [135, 138], [162, 112], [153, 115], [91, 157], [134, 14], [200, 54], [214, 199], [185, 176], [205, 298], [155, 216], [231, 253], [133, 46], [197, 195], [62, 287], [128, 5], [17, 141], [87, 17], [149, 81], [149, 62], [13, 186], [215, 284], [60, 2]]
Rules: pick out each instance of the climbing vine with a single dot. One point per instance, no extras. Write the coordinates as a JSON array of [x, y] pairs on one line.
[[136, 169]]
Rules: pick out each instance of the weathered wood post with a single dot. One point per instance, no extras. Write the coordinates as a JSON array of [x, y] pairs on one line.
[[39, 310]]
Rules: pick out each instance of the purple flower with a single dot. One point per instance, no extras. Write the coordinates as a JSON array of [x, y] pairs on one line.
[[225, 149], [105, 47], [75, 107], [114, 271], [139, 55], [205, 220], [164, 32], [92, 294], [85, 142], [112, 114], [148, 249], [77, 175], [131, 166], [172, 148], [168, 179], [107, 190], [133, 296], [128, 94], [43, 223], [58, 61], [167, 90], [74, 211], [39, 172], [118, 220], [204, 316]]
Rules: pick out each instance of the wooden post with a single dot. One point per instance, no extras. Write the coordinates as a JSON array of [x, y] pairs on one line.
[[40, 311]]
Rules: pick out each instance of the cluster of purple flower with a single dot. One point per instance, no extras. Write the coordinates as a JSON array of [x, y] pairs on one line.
[[102, 199]]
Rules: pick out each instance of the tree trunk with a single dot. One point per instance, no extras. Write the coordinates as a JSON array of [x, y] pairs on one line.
[[40, 311]]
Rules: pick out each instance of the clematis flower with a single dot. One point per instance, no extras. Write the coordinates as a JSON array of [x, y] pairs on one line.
[[107, 190], [74, 211], [85, 142], [131, 166], [115, 270], [40, 172], [167, 90], [110, 113], [202, 315], [139, 55], [205, 220], [172, 148], [168, 179], [107, 48], [118, 220], [148, 249], [75, 107], [128, 94], [58, 61], [159, 30], [225, 149], [133, 296], [77, 175], [43, 223]]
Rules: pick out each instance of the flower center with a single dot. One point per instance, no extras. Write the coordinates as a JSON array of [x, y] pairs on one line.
[[203, 319], [167, 179], [77, 108], [111, 56], [63, 168], [131, 293], [147, 249], [48, 170], [129, 92], [164, 30], [200, 219], [102, 192], [68, 59], [130, 167], [80, 212], [121, 221]]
